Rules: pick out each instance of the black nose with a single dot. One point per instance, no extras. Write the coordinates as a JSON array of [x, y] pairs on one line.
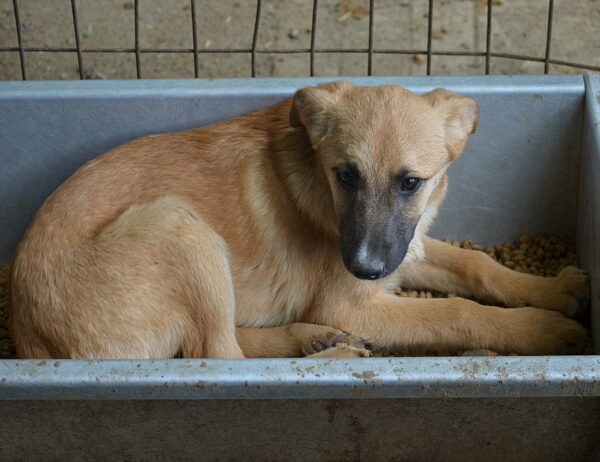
[[368, 272]]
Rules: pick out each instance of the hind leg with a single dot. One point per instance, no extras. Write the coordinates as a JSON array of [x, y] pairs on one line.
[[153, 282], [31, 347], [193, 268]]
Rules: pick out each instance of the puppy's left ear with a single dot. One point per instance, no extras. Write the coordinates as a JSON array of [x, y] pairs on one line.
[[460, 114]]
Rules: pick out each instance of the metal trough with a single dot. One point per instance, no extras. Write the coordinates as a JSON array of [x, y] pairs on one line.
[[533, 165]]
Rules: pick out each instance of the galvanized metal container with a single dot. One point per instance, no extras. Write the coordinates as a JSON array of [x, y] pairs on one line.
[[533, 165]]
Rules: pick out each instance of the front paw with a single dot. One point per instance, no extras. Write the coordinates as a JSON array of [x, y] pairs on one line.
[[331, 338], [542, 332], [569, 292], [342, 350]]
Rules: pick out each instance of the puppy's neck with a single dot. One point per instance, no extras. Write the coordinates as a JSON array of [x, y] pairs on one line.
[[301, 173]]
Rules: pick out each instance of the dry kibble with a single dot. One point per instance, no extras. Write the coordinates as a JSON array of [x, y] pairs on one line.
[[401, 293]]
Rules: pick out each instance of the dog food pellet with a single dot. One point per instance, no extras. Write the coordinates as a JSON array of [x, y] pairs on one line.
[[541, 255]]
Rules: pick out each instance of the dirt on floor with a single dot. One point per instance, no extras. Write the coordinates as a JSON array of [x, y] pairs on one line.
[[518, 27]]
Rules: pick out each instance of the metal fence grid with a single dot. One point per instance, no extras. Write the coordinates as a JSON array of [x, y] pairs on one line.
[[253, 51]]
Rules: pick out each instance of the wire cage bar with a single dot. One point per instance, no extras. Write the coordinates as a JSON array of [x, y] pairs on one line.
[[312, 50]]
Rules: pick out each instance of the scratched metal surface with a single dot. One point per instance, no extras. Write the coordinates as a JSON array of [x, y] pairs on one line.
[[575, 376], [398, 430], [588, 223]]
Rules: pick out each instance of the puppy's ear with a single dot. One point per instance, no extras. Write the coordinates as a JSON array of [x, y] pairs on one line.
[[311, 108], [460, 114]]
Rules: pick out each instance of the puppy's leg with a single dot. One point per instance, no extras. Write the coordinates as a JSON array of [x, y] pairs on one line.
[[197, 277], [472, 273], [342, 351], [293, 340], [153, 282], [449, 325]]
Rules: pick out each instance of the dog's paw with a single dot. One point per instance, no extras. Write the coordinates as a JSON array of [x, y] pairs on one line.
[[332, 338], [342, 350], [543, 332], [570, 292]]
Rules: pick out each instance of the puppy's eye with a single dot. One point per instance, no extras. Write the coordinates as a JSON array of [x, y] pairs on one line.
[[410, 184], [345, 178]]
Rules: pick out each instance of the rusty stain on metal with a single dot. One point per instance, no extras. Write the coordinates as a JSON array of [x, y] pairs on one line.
[[366, 375]]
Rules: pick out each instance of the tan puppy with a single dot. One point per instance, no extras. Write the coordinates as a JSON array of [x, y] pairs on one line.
[[305, 212]]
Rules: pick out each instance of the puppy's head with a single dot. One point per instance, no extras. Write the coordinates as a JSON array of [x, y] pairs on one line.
[[384, 151]]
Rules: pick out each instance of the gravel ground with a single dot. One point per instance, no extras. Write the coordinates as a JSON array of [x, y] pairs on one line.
[[519, 27]]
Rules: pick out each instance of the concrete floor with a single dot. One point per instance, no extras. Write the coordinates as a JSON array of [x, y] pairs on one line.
[[518, 26]]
